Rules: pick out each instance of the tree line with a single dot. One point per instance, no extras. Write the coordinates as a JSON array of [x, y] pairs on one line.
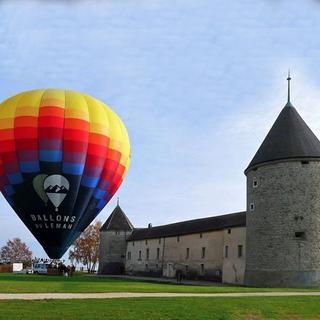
[[85, 249]]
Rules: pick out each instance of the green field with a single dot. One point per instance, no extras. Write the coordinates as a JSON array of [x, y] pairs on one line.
[[251, 308], [288, 308], [15, 283]]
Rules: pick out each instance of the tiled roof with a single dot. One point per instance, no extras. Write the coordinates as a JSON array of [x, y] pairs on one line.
[[289, 138], [191, 226], [117, 221]]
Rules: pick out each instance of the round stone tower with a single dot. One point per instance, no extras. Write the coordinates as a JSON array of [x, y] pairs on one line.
[[283, 206]]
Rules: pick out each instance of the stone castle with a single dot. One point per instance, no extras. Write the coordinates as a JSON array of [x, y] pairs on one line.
[[275, 243]]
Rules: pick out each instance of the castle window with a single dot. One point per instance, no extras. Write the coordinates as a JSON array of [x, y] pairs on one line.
[[158, 253], [117, 232], [300, 235], [159, 240], [129, 255], [200, 235], [147, 253], [226, 251], [255, 182], [157, 266], [187, 253], [229, 231], [139, 255], [147, 266], [147, 241], [240, 251], [251, 206], [304, 163], [133, 243], [203, 252], [202, 269], [187, 268], [178, 238]]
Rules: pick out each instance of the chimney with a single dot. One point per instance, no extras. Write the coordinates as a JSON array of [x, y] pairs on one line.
[[149, 225]]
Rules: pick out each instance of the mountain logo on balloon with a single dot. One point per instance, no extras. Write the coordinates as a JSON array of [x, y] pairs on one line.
[[54, 188]]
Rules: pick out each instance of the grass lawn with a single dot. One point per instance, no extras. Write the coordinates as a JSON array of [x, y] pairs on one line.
[[284, 308], [18, 283]]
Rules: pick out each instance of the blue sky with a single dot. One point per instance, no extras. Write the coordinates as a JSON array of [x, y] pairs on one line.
[[197, 83]]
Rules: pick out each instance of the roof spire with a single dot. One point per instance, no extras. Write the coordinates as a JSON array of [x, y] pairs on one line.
[[289, 79], [118, 201]]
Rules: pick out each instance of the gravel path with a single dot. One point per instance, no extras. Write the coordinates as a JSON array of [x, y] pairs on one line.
[[112, 295]]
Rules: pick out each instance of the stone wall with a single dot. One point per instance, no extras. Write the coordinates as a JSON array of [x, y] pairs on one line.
[[234, 263], [283, 225], [113, 251], [198, 256]]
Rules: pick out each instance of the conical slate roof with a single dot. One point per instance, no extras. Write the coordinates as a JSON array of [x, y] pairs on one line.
[[117, 221], [290, 137]]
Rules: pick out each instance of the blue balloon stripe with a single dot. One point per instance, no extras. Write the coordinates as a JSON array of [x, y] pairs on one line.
[[99, 193], [15, 178], [9, 190], [101, 204], [90, 182], [29, 166], [50, 155], [72, 168]]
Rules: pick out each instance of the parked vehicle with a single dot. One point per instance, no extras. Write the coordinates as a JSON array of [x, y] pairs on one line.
[[29, 271], [40, 268]]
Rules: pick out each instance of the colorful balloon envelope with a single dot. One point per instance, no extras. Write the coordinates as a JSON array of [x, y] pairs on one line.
[[63, 156]]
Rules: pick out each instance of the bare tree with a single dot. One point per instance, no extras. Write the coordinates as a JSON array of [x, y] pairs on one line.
[[15, 251], [86, 248]]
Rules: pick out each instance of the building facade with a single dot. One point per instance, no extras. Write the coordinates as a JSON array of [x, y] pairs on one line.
[[274, 243], [210, 248]]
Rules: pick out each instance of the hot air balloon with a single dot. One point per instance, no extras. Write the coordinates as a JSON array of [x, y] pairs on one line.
[[63, 155]]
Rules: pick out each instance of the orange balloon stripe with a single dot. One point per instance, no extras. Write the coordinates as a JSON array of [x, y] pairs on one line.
[[6, 134], [26, 122], [114, 155], [95, 138], [50, 110], [76, 124]]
